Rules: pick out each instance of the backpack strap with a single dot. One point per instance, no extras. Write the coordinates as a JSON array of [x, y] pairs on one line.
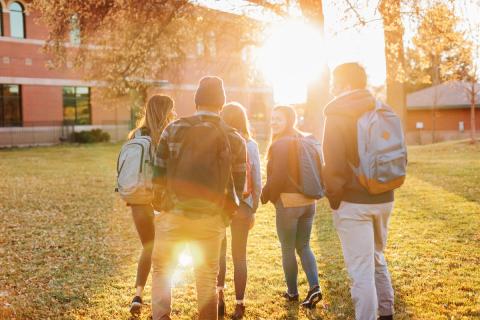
[[137, 133]]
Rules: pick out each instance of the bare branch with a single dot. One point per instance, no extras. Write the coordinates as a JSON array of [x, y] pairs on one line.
[[278, 9], [357, 14]]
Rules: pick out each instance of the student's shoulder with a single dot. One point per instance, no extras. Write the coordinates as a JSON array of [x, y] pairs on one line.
[[235, 137], [174, 125], [277, 148], [283, 142]]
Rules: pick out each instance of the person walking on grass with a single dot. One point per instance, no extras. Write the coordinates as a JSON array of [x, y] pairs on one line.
[[365, 159], [157, 114], [294, 210], [202, 163], [234, 115]]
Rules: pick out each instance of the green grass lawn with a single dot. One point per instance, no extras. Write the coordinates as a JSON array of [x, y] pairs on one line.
[[68, 247]]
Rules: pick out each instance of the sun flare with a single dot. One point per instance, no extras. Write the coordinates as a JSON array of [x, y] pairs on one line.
[[292, 55], [185, 259]]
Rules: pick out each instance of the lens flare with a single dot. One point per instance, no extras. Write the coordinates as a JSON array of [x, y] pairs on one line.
[[185, 259]]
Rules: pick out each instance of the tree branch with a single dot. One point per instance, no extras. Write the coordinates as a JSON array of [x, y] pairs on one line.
[[278, 9], [357, 14]]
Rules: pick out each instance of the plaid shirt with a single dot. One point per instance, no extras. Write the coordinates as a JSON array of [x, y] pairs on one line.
[[170, 145]]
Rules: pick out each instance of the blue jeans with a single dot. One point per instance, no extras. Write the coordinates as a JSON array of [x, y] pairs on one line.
[[240, 227], [294, 226]]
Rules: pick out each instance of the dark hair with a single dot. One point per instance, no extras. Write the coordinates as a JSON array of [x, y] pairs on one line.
[[210, 94], [235, 115], [350, 74], [290, 128]]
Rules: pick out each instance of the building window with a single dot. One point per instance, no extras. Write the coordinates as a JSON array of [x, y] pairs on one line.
[[1, 20], [17, 20], [74, 30], [10, 105], [76, 105], [200, 47], [212, 44]]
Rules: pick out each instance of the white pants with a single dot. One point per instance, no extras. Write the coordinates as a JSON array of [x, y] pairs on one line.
[[362, 229]]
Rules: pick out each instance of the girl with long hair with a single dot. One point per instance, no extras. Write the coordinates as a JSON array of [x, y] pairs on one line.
[[234, 115], [294, 211], [157, 114]]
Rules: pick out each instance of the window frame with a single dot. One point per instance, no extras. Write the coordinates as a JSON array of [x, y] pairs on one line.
[[20, 105], [75, 98], [24, 25], [1, 20]]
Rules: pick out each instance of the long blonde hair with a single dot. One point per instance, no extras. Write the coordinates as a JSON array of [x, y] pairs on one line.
[[156, 115], [235, 115]]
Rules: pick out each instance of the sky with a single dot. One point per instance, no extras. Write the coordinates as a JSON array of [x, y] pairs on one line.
[[343, 43]]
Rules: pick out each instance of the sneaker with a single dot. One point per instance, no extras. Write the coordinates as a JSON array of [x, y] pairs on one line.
[[313, 297], [136, 306], [221, 305], [386, 317], [290, 298], [239, 311]]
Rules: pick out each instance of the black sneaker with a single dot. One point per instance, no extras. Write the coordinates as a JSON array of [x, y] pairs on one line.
[[386, 317], [313, 297], [290, 298], [136, 306], [221, 305]]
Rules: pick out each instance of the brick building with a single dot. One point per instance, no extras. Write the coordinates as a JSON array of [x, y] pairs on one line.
[[451, 116], [37, 102]]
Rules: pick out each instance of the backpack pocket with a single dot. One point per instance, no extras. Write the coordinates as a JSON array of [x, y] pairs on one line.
[[390, 166]]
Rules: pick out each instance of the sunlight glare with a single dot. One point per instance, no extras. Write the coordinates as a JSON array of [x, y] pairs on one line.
[[292, 55], [185, 259]]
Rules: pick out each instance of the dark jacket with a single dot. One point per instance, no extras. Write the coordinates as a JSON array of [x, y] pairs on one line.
[[171, 142], [340, 148], [282, 168]]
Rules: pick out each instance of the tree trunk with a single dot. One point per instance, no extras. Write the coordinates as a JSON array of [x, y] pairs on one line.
[[435, 83], [473, 94], [318, 90], [138, 99], [394, 55]]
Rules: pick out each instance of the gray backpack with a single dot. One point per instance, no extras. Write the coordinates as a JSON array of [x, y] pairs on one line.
[[310, 161], [134, 170], [381, 149]]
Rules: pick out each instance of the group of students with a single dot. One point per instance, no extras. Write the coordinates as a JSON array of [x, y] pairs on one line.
[[199, 174]]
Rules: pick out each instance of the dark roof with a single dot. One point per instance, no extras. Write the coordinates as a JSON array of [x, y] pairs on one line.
[[449, 95]]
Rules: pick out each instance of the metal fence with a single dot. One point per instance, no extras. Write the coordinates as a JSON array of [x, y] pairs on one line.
[[51, 132], [48, 133]]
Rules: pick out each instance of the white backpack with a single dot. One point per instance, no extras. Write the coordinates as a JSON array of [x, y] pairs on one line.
[[135, 170], [381, 149]]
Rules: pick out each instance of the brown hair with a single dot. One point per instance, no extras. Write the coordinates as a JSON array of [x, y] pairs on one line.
[[350, 74], [235, 115], [290, 128], [156, 115]]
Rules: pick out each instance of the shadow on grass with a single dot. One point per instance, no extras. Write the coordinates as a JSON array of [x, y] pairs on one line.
[[293, 312]]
